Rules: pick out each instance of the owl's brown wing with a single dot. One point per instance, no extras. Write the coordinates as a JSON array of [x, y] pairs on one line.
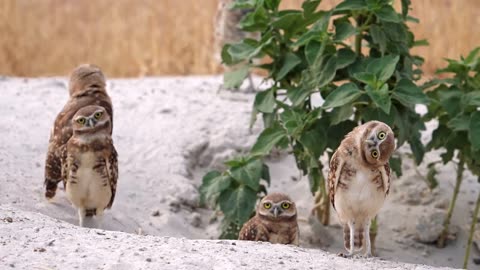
[[336, 165], [253, 230], [61, 133], [112, 171], [385, 170]]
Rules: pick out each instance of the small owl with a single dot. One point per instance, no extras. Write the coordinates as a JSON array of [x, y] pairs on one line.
[[86, 87], [359, 181], [274, 222], [227, 30], [89, 163], [80, 150]]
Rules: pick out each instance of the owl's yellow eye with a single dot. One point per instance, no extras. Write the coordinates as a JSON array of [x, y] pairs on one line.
[[81, 121], [375, 154], [267, 205], [97, 115], [381, 135], [285, 205]]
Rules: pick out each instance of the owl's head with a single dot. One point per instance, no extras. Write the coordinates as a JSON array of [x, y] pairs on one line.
[[91, 119], [377, 143], [277, 206], [84, 77]]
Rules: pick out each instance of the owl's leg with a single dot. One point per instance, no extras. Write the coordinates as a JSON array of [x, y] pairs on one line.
[[368, 246], [351, 225], [350, 233], [81, 217], [99, 218]]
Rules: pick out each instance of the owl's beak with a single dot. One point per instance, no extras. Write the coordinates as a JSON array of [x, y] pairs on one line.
[[90, 122], [275, 211], [371, 142]]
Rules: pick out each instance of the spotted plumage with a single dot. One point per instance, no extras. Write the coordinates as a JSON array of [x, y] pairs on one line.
[[81, 152], [275, 221], [359, 181]]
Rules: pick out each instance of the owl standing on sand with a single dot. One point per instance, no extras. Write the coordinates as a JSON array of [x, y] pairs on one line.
[[227, 31], [359, 181], [81, 151], [274, 222]]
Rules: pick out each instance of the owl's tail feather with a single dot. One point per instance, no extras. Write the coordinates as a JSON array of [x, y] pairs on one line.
[[358, 236], [50, 188]]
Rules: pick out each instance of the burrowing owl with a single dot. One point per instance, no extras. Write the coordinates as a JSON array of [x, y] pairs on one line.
[[359, 180], [227, 30], [80, 152], [274, 222]]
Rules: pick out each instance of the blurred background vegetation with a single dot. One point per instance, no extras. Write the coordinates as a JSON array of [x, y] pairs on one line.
[[129, 38]]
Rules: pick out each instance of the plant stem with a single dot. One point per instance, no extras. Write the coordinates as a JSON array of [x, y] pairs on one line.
[[472, 230], [443, 236]]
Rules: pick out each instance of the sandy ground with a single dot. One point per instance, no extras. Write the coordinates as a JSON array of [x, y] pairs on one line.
[[168, 132], [34, 241]]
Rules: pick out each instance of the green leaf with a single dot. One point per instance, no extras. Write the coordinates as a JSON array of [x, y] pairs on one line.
[[312, 50], [321, 72], [240, 51], [421, 42], [383, 67], [387, 14], [380, 97], [344, 94], [474, 130], [298, 95], [379, 37], [345, 57], [460, 122], [405, 7], [371, 113], [213, 183], [315, 178], [366, 78], [336, 133], [310, 6], [226, 58], [396, 165], [343, 30], [268, 139], [266, 173], [234, 79], [450, 99], [418, 149], [341, 114], [289, 22], [408, 93], [290, 61], [473, 98], [265, 101], [249, 174], [350, 5], [431, 176], [315, 141], [238, 204]]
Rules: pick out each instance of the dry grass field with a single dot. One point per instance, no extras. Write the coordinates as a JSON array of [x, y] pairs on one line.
[[172, 37]]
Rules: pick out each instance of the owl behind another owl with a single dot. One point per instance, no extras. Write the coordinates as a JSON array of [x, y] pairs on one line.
[[81, 151], [275, 221]]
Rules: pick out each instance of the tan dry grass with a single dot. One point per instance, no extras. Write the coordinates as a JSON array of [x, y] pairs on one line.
[[172, 37]]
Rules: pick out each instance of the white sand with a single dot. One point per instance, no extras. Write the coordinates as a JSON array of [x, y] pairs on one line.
[[166, 132]]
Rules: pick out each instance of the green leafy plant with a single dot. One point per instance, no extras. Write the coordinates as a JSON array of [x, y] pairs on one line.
[[455, 104], [362, 69]]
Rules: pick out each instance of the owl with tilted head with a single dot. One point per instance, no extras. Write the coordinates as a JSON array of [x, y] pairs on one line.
[[81, 152], [359, 181], [275, 221]]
